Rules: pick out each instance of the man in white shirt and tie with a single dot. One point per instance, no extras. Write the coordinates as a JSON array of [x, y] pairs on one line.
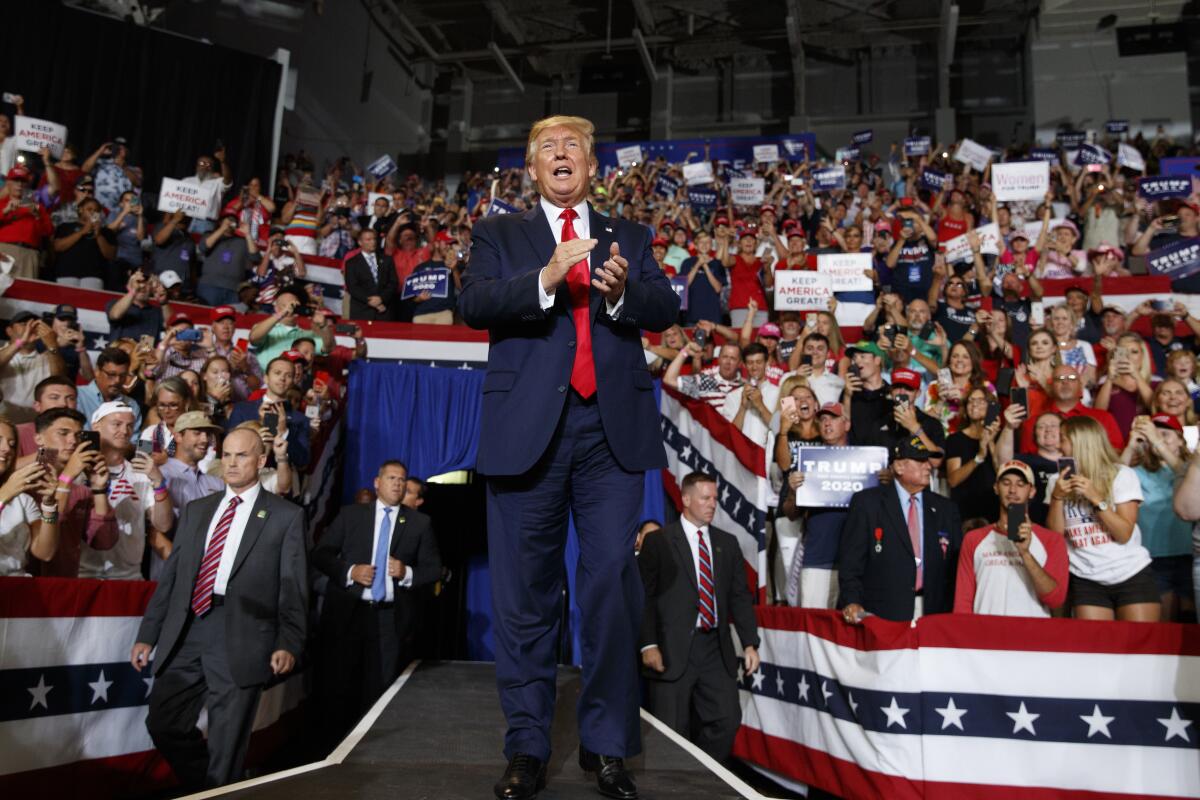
[[371, 281], [695, 587], [229, 613], [376, 556]]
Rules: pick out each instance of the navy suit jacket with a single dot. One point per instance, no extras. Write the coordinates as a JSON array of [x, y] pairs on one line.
[[532, 351], [882, 583]]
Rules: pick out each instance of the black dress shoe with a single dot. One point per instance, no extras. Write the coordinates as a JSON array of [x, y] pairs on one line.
[[524, 778], [612, 779]]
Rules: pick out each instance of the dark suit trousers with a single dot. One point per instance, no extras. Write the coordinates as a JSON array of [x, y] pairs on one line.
[[527, 532], [198, 677], [361, 659], [702, 704]]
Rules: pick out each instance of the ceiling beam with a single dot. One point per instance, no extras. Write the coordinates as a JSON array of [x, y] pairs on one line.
[[644, 15]]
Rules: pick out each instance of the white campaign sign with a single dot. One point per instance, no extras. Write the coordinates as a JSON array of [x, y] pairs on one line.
[[802, 290], [33, 134], [959, 248], [846, 271], [1129, 156], [973, 154], [698, 173], [766, 153], [628, 156], [746, 191], [193, 200], [1021, 180]]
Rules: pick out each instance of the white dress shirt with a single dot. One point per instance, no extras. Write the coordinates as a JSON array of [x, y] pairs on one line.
[[689, 530], [372, 264], [583, 229], [233, 540], [406, 581]]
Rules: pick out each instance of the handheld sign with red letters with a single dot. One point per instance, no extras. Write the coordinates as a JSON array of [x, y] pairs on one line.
[[33, 134]]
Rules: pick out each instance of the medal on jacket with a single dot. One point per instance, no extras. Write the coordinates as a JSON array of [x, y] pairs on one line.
[[879, 540]]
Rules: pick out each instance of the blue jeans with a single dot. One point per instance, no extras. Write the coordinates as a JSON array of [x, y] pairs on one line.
[[216, 295]]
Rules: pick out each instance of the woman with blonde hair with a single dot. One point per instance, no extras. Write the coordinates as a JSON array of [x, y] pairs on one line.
[[1063, 323], [1125, 392], [798, 422], [1171, 397], [1095, 505]]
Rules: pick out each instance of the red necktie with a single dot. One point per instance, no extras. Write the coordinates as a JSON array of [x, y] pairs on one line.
[[583, 372], [914, 533], [707, 603], [202, 593]]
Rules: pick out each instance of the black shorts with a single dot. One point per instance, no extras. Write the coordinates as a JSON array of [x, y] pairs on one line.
[[1141, 588]]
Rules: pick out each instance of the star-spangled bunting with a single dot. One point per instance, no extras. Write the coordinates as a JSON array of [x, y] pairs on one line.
[[1101, 720]]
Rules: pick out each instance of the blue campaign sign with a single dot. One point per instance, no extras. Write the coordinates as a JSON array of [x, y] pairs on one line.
[[863, 137], [680, 284], [932, 179], [1179, 166], [917, 146], [702, 199], [436, 281], [795, 149], [1091, 154], [1070, 139], [381, 167], [499, 207], [832, 475], [830, 179], [666, 186], [1117, 126], [1160, 187], [1177, 260], [792, 147], [1044, 154]]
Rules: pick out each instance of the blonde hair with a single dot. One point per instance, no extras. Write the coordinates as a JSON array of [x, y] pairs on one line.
[[1143, 367], [1094, 455], [836, 342], [580, 125], [1189, 414]]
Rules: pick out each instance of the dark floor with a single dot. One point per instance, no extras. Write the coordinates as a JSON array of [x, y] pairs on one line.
[[441, 735]]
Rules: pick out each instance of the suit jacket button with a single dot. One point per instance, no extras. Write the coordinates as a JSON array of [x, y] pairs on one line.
[[571, 343], [562, 389]]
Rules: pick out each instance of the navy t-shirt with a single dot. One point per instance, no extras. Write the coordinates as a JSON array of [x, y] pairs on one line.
[[955, 321], [703, 302], [913, 272]]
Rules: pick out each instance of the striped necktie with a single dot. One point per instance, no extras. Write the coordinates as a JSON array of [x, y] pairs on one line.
[[202, 593], [707, 602]]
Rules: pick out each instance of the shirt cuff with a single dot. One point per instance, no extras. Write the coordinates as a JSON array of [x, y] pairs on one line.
[[406, 581], [648, 647], [544, 300], [349, 580], [614, 308]]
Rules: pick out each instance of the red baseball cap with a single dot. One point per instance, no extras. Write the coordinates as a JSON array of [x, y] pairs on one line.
[[180, 317], [443, 237], [19, 173], [832, 408], [906, 377], [658, 241], [223, 312], [293, 355], [1167, 421], [767, 207], [721, 221]]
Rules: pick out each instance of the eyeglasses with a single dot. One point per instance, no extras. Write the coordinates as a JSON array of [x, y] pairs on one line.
[[115, 376], [170, 406], [1071, 377], [976, 401]]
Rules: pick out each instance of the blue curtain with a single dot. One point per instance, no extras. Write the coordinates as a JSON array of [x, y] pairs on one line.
[[427, 417]]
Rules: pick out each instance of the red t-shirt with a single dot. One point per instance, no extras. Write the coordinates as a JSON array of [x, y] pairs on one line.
[[407, 260], [1029, 445], [949, 228], [745, 284], [28, 226]]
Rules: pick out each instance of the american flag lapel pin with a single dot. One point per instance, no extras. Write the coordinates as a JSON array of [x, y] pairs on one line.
[[607, 229], [262, 514]]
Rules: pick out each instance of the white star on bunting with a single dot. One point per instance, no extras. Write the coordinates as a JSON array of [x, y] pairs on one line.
[[804, 688], [1097, 722], [1022, 719], [1176, 725], [685, 453], [758, 678], [825, 691], [951, 715], [779, 682], [895, 714], [99, 343], [39, 693], [99, 688], [853, 704]]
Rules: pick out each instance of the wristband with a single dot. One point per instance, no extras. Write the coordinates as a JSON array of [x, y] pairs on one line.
[[65, 478], [100, 491], [18, 343], [2, 504], [61, 490]]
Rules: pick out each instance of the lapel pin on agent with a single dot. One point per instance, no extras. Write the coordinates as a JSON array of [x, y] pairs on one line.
[[262, 514], [879, 540]]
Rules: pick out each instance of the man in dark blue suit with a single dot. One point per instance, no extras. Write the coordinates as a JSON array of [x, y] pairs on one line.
[[569, 427], [280, 377]]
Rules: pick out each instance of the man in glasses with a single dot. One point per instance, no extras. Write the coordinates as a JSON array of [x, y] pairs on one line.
[[1066, 391], [215, 178], [950, 311], [112, 375]]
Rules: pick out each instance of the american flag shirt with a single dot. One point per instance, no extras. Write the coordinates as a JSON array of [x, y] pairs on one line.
[[131, 496]]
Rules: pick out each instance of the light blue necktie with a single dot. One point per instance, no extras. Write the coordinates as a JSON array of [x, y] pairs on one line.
[[374, 268], [379, 585]]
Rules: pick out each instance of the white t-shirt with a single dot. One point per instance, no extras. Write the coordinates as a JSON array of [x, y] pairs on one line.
[[1092, 552], [15, 519], [18, 380], [1002, 585], [828, 386], [8, 154], [755, 428], [122, 562], [213, 187]]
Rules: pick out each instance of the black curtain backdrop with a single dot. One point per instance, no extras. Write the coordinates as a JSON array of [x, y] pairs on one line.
[[171, 98]]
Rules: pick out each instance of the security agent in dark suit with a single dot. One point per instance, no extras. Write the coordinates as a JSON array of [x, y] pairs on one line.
[[376, 555], [900, 543], [695, 586], [569, 425], [371, 281], [228, 615]]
